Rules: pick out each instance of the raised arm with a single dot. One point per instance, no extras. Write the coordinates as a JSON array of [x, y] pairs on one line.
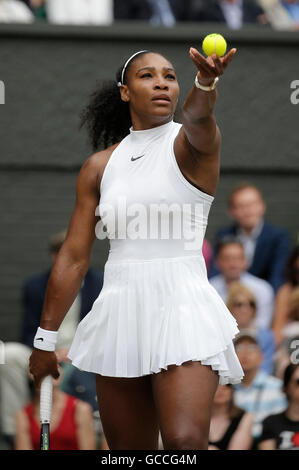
[[70, 265], [197, 146]]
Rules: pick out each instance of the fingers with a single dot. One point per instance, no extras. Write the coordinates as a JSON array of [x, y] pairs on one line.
[[39, 378], [196, 56], [228, 57], [55, 374], [41, 364], [217, 64], [37, 382], [207, 68], [212, 66]]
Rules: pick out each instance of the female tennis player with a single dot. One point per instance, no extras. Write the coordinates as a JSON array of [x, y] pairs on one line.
[[159, 338]]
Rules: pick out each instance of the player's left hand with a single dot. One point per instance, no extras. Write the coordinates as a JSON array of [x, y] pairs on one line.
[[212, 66]]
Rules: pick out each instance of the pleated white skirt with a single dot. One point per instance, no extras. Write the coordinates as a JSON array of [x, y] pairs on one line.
[[154, 313]]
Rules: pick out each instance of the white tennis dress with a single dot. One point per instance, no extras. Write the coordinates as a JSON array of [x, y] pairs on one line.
[[156, 307]]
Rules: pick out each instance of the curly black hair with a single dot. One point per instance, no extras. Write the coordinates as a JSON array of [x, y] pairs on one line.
[[106, 117], [288, 374]]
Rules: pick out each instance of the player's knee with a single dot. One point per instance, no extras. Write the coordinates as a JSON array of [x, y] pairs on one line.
[[187, 440]]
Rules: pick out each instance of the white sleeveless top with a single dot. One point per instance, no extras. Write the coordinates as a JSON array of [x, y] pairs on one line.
[[148, 207], [156, 306]]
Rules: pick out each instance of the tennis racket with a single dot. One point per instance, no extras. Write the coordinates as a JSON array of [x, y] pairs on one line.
[[45, 412]]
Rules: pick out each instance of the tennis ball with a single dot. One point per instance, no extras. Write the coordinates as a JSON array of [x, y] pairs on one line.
[[214, 44]]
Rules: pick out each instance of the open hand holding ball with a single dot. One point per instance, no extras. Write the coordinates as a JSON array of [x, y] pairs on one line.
[[214, 65]]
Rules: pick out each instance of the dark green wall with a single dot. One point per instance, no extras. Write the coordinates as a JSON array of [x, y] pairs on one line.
[[48, 72]]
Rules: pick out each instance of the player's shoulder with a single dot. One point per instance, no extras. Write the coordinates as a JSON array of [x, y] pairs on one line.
[[92, 169], [99, 159]]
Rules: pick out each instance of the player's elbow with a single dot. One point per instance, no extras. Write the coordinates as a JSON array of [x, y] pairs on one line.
[[75, 258]]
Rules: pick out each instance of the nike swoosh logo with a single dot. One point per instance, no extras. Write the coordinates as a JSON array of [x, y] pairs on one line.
[[136, 158], [39, 339]]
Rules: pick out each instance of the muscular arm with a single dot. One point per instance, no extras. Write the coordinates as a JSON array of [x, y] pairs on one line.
[[73, 258], [71, 262], [199, 122], [197, 146]]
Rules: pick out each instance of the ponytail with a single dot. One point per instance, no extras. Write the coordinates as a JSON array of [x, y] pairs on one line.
[[106, 117]]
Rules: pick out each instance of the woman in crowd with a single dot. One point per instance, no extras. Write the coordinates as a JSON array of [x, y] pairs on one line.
[[71, 423], [230, 426], [281, 311], [281, 431], [289, 334], [291, 326], [242, 304]]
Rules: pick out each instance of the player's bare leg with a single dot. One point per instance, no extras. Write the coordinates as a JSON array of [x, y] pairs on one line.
[[128, 412], [184, 396]]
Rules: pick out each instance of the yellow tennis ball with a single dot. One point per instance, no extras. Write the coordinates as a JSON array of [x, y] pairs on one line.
[[214, 44]]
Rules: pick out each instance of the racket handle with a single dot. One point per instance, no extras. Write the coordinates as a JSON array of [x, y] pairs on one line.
[[46, 399]]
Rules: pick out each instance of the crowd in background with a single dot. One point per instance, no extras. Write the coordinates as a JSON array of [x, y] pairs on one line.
[[277, 14], [255, 269]]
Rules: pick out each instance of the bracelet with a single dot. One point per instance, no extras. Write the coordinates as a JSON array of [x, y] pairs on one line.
[[206, 88], [45, 339]]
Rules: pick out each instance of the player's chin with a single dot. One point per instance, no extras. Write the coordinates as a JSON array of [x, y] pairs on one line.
[[162, 109], [162, 104]]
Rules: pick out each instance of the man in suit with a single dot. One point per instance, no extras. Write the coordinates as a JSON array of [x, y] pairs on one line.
[[266, 246], [33, 295], [233, 13], [163, 12]]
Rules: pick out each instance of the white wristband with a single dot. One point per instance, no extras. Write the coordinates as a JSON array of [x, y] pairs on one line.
[[45, 339], [206, 88]]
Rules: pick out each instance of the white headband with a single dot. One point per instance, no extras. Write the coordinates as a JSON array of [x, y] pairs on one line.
[[126, 65]]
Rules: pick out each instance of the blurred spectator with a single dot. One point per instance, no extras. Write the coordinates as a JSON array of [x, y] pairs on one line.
[[15, 11], [281, 431], [71, 426], [292, 8], [259, 393], [81, 385], [266, 246], [242, 304], [282, 302], [277, 14], [14, 391], [38, 8], [207, 252], [13, 375], [230, 427], [231, 260], [287, 352], [157, 12], [92, 12], [283, 14], [292, 326], [233, 13], [33, 294]]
